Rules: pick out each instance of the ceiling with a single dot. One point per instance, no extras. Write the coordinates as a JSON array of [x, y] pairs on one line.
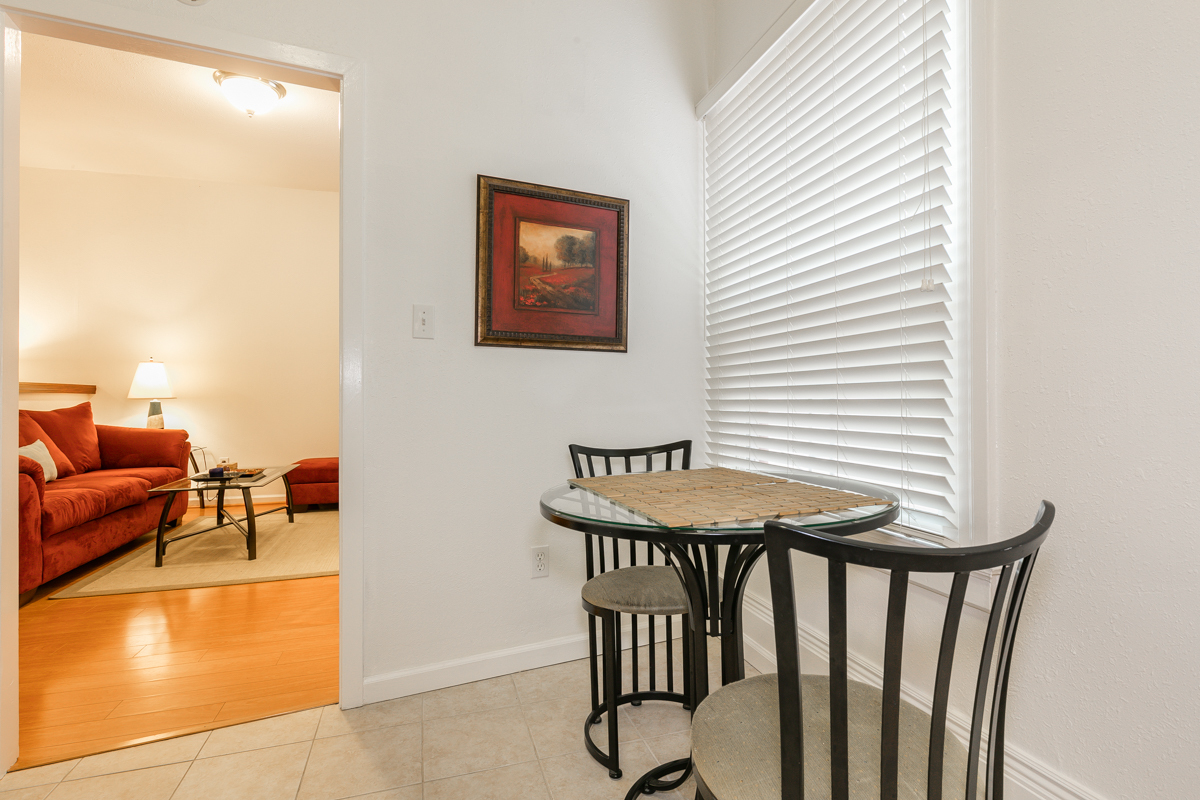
[[90, 108]]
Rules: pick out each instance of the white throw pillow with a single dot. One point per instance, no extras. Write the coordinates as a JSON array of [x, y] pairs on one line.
[[38, 452]]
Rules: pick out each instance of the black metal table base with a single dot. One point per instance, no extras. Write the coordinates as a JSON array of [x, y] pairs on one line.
[[716, 611], [248, 530]]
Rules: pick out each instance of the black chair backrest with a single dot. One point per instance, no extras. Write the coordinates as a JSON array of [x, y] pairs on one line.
[[675, 455], [589, 456], [1015, 559]]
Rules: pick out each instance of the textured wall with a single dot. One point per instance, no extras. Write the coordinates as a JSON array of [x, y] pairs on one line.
[[1096, 273]]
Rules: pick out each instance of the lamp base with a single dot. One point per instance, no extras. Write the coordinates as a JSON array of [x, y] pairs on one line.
[[155, 418]]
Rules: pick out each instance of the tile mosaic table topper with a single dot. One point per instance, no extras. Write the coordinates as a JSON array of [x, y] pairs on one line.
[[690, 498]]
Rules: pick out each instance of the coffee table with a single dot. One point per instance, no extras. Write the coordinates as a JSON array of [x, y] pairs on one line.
[[249, 529]]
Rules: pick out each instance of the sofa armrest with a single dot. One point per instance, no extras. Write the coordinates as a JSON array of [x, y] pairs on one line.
[[34, 470], [31, 488], [121, 448]]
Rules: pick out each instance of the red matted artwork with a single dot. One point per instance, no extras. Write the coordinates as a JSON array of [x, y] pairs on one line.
[[551, 268]]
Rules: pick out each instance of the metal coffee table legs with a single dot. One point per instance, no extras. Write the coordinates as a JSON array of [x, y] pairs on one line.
[[224, 519]]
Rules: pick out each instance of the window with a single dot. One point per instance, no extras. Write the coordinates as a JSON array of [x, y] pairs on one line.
[[834, 295]]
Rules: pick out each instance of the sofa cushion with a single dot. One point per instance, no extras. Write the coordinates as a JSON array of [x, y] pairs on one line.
[[142, 447], [64, 507], [153, 476], [31, 432], [81, 498], [73, 430], [315, 470]]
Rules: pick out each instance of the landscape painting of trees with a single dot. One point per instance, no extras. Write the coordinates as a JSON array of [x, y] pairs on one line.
[[552, 268], [556, 268]]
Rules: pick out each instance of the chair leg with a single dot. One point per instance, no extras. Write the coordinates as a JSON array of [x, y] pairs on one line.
[[633, 655], [689, 689], [594, 671], [612, 687]]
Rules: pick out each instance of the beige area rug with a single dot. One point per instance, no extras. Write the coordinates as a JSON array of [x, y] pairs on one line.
[[307, 548]]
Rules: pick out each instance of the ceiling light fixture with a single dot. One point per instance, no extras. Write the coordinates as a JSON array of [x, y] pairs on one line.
[[252, 95]]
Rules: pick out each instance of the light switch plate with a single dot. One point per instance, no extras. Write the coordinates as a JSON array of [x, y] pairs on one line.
[[422, 322]]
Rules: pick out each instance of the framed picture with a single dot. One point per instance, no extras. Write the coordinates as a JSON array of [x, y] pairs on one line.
[[551, 269]]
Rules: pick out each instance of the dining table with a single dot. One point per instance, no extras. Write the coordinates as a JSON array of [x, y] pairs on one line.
[[714, 562]]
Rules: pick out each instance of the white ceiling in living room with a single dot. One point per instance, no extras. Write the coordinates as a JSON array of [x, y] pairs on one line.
[[90, 108]]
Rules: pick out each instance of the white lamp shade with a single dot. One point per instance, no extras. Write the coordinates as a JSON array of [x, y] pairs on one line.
[[150, 382]]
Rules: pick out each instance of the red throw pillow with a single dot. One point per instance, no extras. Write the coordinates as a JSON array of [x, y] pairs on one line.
[[31, 432], [74, 432]]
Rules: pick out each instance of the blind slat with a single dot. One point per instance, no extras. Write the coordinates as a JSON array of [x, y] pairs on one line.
[[831, 292]]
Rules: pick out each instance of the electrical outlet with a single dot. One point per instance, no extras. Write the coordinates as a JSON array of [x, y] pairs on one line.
[[422, 322], [541, 561]]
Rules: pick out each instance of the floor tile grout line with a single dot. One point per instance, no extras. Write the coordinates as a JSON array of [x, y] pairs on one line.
[[472, 772], [545, 782], [182, 777], [68, 779], [312, 743], [157, 741], [307, 755]]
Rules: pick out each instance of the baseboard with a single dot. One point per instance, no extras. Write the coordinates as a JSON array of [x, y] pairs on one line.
[[1026, 776], [427, 678]]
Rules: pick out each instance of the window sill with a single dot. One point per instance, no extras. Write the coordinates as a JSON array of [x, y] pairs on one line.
[[979, 587]]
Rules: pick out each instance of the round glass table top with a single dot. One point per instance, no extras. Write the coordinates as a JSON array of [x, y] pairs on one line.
[[567, 504]]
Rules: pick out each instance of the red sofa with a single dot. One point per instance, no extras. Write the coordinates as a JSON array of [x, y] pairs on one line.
[[100, 500]]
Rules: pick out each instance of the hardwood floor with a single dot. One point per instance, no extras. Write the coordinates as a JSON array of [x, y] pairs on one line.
[[102, 673]]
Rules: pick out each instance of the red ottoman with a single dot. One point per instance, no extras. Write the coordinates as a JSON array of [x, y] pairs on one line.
[[314, 480]]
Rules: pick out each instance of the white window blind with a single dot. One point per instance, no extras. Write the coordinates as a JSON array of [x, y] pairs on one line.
[[831, 292]]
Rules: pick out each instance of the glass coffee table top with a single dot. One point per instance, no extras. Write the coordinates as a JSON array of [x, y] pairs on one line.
[[191, 484]]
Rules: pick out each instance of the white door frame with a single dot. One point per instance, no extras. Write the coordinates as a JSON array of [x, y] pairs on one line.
[[103, 22]]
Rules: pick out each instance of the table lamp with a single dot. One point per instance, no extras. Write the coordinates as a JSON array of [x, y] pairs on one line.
[[150, 383]]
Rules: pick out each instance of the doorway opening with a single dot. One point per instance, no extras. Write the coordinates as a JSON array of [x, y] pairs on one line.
[[150, 221]]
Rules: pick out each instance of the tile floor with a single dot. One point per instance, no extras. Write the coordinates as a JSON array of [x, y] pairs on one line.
[[517, 737]]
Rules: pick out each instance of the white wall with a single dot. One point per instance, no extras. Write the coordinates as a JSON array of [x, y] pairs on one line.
[[1097, 183], [734, 26], [234, 287], [588, 96], [1089, 144]]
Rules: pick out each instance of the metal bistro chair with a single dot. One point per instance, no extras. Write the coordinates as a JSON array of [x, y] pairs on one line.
[[612, 590], [858, 741]]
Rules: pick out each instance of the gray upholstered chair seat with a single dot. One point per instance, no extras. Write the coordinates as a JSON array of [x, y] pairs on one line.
[[637, 590], [735, 743]]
